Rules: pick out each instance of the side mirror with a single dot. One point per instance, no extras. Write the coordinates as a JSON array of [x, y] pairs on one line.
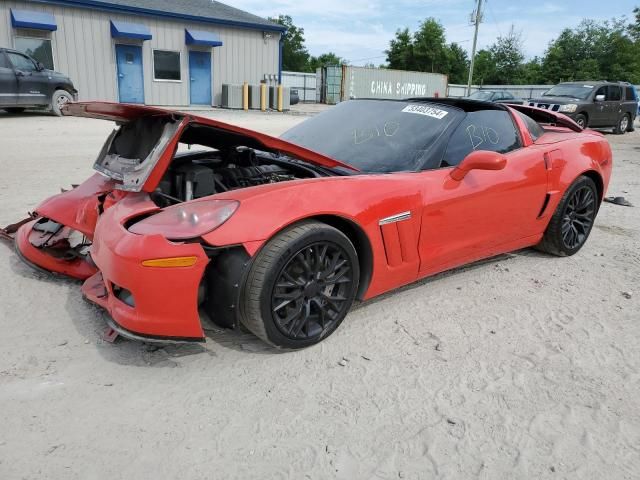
[[599, 98], [479, 160], [39, 66]]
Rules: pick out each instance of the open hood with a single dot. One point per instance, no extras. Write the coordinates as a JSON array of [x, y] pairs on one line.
[[124, 113], [541, 115]]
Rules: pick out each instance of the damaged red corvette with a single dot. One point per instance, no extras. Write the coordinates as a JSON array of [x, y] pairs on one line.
[[282, 235]]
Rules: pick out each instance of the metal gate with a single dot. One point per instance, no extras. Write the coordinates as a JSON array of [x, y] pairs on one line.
[[305, 83]]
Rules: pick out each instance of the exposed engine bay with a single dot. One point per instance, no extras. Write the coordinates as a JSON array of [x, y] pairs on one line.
[[233, 160], [200, 174]]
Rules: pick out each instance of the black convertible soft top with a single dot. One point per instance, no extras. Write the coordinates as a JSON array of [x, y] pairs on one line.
[[538, 114]]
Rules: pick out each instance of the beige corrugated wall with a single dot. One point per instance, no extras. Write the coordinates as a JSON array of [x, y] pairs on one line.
[[84, 50]]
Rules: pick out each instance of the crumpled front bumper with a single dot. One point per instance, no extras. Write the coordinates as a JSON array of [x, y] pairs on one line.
[[78, 268], [164, 303]]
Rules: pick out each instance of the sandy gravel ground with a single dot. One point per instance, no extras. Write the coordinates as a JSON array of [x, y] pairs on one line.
[[524, 366]]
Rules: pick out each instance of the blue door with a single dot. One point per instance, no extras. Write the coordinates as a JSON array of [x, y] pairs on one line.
[[130, 80], [200, 76]]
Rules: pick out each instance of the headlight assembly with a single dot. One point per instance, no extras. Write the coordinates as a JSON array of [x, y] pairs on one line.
[[568, 108]]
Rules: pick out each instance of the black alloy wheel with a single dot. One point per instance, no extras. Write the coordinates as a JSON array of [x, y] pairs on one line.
[[579, 214], [311, 292], [573, 219], [300, 285]]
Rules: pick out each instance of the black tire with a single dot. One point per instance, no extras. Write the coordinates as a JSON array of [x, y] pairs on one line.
[[623, 125], [59, 98], [295, 277], [571, 223], [14, 109], [582, 120]]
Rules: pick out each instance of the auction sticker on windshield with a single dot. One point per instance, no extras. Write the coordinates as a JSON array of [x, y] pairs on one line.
[[425, 110]]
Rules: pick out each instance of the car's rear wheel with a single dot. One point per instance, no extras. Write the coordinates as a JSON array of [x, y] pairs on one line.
[[573, 219], [623, 125], [59, 99], [14, 109], [581, 119], [301, 286]]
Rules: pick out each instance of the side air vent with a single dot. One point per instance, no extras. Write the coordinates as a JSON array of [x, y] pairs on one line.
[[399, 238]]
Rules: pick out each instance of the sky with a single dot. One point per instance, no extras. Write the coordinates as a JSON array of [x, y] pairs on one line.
[[360, 30]]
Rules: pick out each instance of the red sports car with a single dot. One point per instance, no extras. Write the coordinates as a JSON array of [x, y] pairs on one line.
[[282, 235]]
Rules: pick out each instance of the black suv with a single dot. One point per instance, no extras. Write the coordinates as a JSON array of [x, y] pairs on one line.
[[25, 83], [593, 104]]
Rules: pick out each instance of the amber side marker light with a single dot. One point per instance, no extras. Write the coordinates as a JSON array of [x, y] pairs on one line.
[[170, 262]]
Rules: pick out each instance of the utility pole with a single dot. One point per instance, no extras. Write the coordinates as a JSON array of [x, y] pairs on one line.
[[476, 18]]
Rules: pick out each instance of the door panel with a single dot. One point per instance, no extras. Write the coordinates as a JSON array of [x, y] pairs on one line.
[[8, 83], [33, 86], [465, 219], [601, 109], [200, 77], [130, 74]]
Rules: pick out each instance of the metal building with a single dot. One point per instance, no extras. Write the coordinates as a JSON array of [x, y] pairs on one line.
[[158, 52]]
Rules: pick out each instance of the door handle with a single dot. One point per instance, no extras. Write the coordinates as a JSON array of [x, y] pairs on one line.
[[120, 75], [193, 79]]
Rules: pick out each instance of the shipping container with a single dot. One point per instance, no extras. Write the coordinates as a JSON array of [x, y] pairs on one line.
[[362, 82]]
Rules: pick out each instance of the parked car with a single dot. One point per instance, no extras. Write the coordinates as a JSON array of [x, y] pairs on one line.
[[593, 104], [281, 235], [293, 97], [496, 96], [25, 83]]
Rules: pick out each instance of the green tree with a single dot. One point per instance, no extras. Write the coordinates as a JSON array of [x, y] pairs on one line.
[[634, 28], [484, 70], [593, 51], [324, 60], [458, 63], [400, 53], [295, 56], [532, 72], [429, 47], [508, 59]]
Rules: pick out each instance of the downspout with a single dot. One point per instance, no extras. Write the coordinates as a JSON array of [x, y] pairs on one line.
[[280, 45]]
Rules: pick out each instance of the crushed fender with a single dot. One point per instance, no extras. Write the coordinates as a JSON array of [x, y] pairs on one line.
[[7, 232]]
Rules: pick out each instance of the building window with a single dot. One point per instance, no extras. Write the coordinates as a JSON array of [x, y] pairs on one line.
[[38, 48], [166, 65]]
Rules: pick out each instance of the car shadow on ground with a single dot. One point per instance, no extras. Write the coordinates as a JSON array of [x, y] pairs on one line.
[[26, 114], [527, 252], [90, 321]]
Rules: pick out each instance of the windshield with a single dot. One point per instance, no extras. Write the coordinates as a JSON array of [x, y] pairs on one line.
[[480, 95], [570, 91], [376, 135]]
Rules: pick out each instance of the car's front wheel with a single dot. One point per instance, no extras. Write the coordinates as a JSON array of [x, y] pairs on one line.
[[59, 99], [581, 119], [573, 219], [301, 286]]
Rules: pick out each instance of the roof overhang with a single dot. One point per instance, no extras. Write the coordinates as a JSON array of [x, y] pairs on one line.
[[113, 7], [198, 37], [136, 31], [34, 20]]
